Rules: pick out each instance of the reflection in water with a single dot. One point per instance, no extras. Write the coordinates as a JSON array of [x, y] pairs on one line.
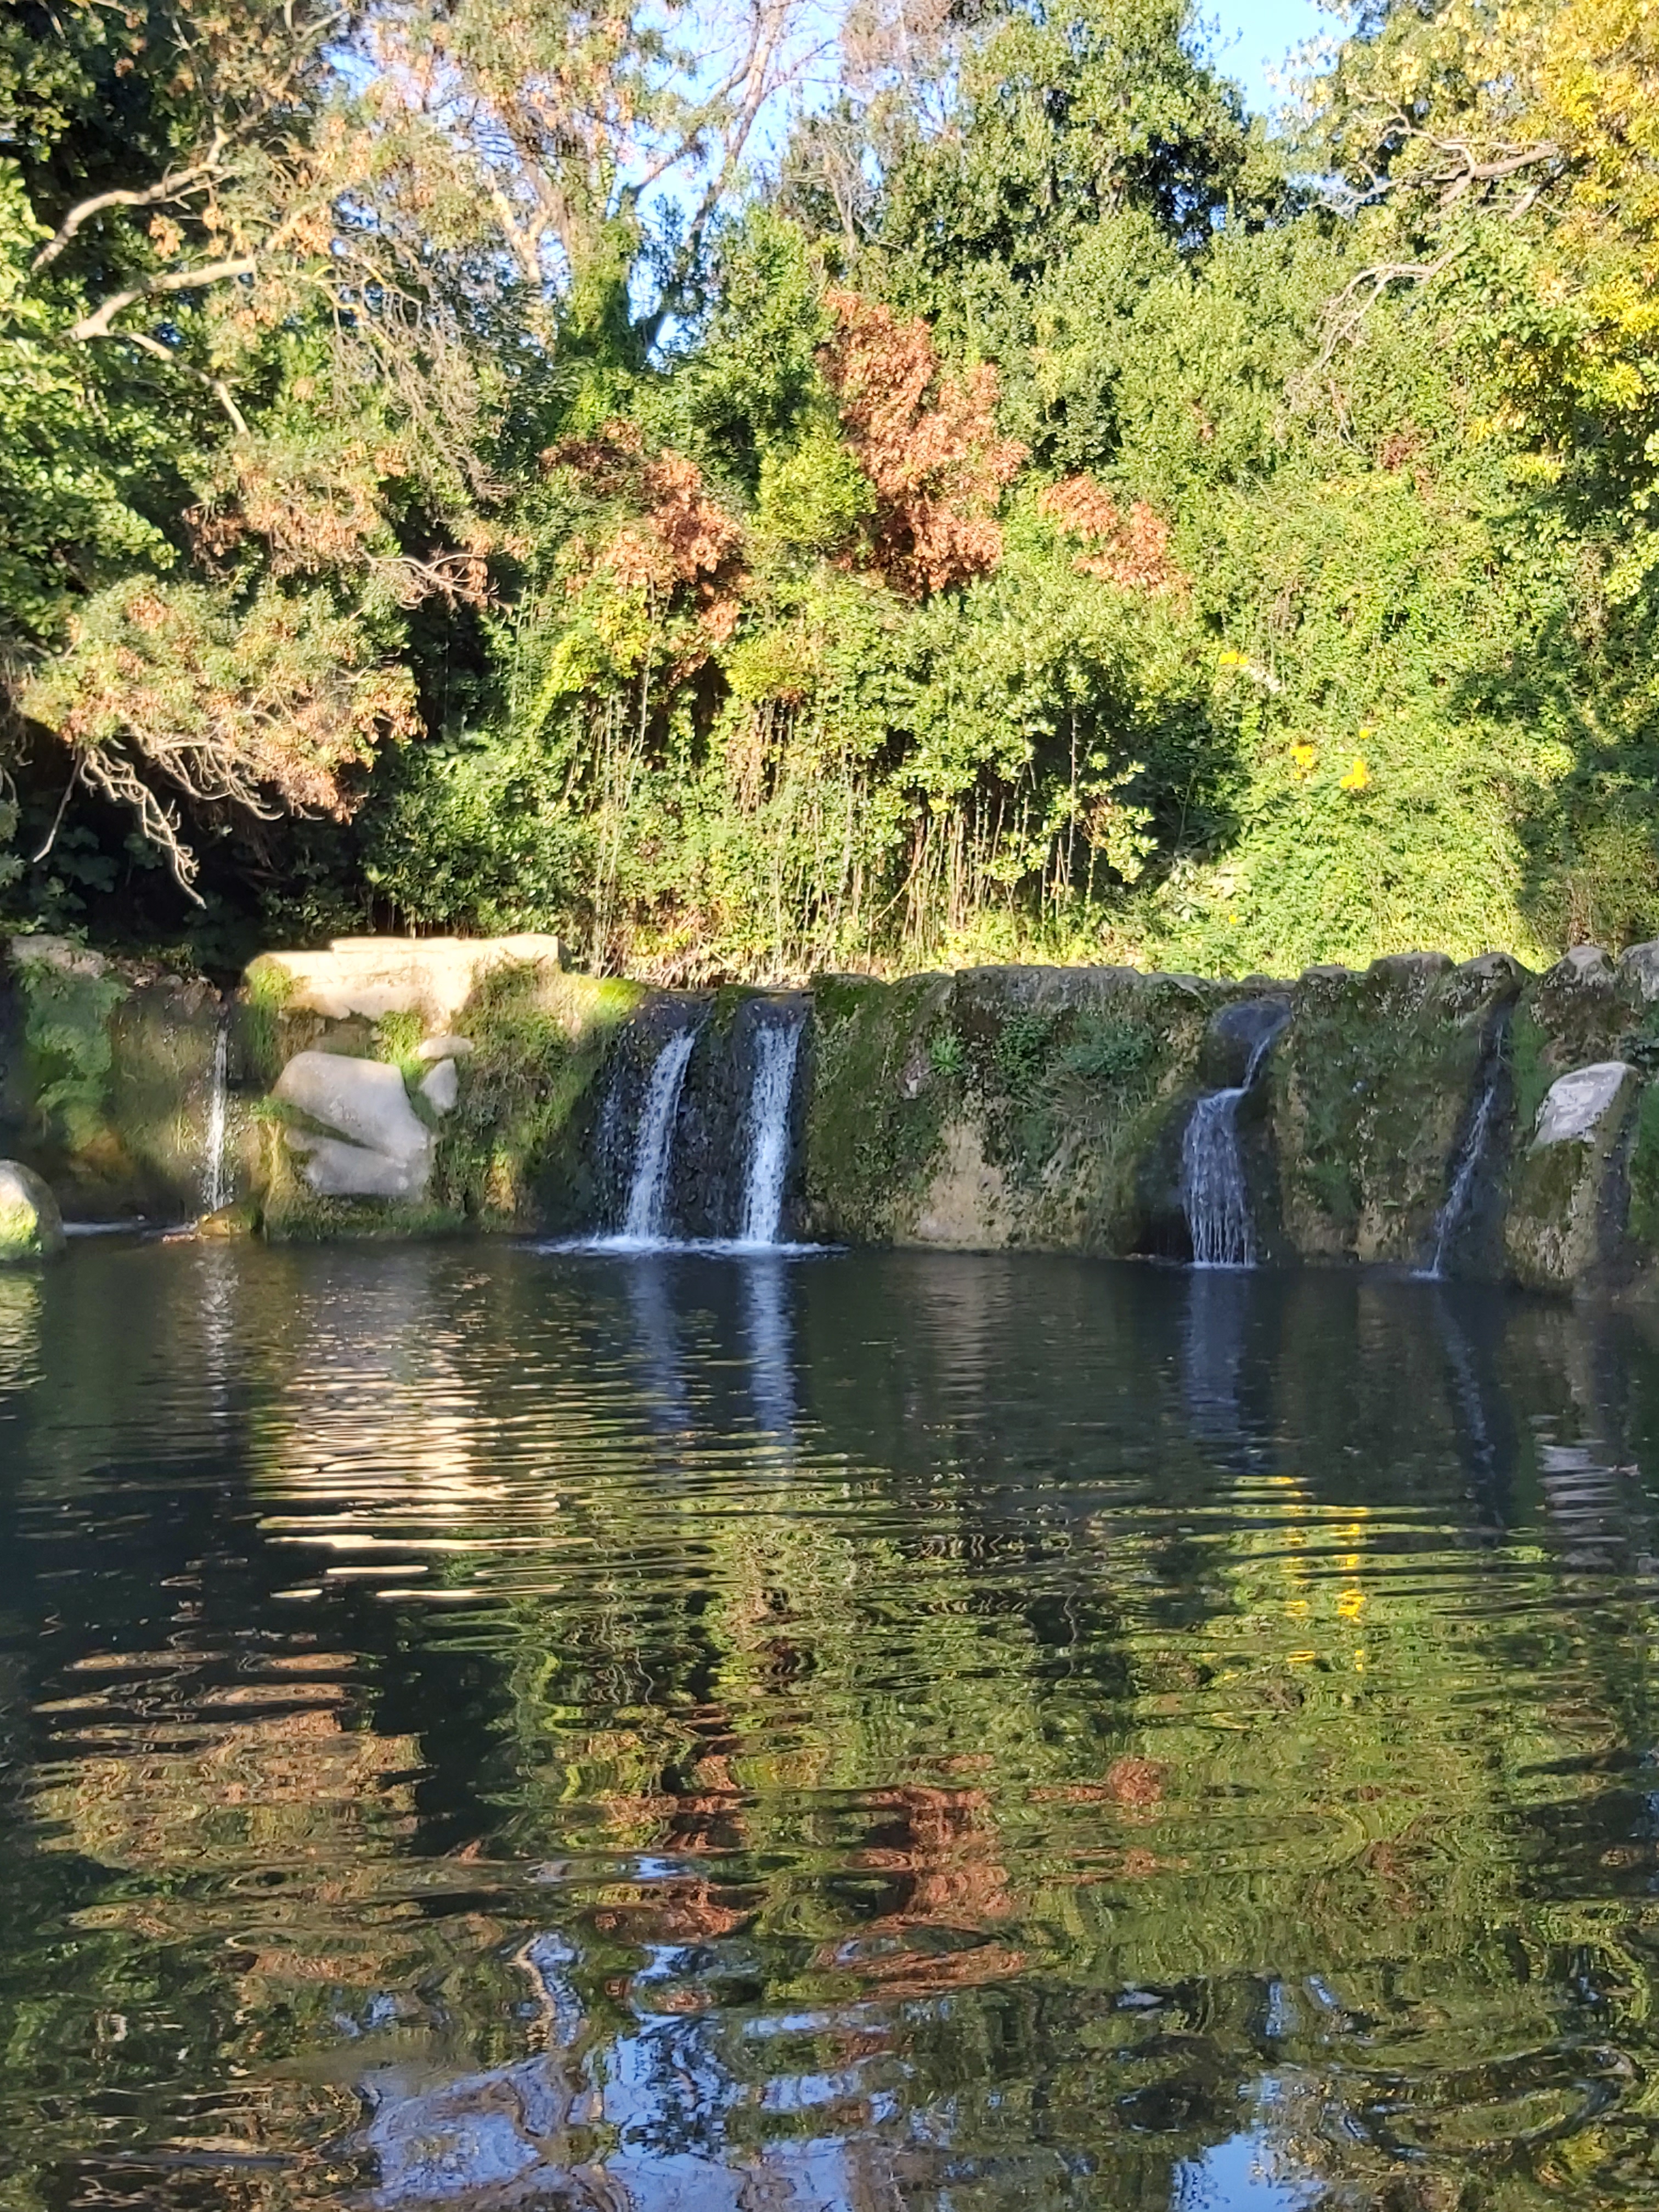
[[1172, 1741], [766, 1319]]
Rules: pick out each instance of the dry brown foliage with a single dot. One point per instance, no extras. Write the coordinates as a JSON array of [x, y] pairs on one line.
[[928, 443], [270, 712], [1132, 549], [679, 536]]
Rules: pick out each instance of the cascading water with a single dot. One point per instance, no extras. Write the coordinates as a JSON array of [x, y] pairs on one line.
[[215, 1180], [1460, 1197], [642, 1221], [1214, 1195], [777, 1049]]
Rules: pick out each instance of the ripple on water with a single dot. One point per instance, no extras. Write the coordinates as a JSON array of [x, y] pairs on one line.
[[495, 1727]]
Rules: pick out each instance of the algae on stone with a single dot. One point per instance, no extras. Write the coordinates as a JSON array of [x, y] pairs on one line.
[[1371, 1090], [30, 1226]]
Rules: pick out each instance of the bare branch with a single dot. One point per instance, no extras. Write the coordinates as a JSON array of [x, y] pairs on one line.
[[216, 385], [167, 188], [97, 324]]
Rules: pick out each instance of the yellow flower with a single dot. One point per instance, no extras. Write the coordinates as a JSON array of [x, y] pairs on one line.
[[1304, 756], [1357, 776], [1230, 660]]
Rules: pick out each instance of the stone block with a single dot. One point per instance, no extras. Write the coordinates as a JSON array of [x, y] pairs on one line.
[[372, 976]]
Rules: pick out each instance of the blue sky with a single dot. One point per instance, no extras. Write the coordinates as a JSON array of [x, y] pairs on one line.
[[1256, 35]]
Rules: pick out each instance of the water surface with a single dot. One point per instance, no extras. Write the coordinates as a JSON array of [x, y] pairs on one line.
[[488, 1727]]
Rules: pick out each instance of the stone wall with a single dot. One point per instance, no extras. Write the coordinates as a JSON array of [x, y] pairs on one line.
[[390, 1085], [1047, 1108]]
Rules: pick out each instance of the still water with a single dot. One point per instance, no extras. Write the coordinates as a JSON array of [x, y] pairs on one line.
[[489, 1728]]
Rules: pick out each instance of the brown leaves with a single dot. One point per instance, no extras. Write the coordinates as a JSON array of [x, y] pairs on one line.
[[264, 707], [679, 537], [1130, 550], [928, 443]]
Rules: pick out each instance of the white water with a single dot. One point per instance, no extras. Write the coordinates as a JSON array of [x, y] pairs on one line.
[[777, 1049], [1451, 1217], [216, 1182], [1213, 1193], [642, 1222]]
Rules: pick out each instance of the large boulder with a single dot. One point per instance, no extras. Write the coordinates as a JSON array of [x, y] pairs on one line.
[[31, 1227], [1565, 1204], [368, 1141]]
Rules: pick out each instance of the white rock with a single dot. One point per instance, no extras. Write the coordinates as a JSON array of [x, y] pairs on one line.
[[1584, 963], [442, 1087], [335, 1169], [448, 1047], [1576, 1103], [363, 1100]]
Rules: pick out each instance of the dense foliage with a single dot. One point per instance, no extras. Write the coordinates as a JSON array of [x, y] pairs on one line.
[[457, 471]]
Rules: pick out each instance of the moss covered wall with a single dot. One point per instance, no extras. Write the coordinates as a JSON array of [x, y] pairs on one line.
[[994, 1107], [106, 1079], [1045, 1108]]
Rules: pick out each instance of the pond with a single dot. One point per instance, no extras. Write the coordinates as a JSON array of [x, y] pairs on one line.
[[489, 1726]]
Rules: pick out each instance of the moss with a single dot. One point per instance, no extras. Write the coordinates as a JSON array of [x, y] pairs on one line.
[[1109, 1048], [510, 1151], [21, 1236], [1371, 1086], [68, 1010], [1645, 1170], [266, 989], [878, 1108], [1532, 1069]]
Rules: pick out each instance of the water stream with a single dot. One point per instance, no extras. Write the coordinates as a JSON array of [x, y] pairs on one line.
[[642, 1223], [1213, 1192], [777, 1050], [1466, 1170], [215, 1180]]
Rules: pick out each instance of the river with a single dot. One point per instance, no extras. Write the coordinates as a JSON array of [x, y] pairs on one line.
[[486, 1727]]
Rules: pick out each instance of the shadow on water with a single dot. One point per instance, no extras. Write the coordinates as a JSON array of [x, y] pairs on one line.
[[488, 1728]]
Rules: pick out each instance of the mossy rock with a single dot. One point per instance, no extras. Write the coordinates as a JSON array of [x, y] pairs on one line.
[[1371, 1090], [30, 1226]]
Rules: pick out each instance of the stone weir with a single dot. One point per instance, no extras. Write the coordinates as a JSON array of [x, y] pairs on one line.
[[1472, 1121]]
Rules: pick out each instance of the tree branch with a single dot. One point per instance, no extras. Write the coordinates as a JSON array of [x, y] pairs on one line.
[[167, 188], [97, 324]]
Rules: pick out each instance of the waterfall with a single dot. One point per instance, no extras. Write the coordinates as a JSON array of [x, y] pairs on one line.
[[216, 1183], [777, 1048], [1471, 1155], [642, 1223], [1213, 1193]]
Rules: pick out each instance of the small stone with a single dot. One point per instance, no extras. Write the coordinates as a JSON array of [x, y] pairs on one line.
[[442, 1087], [31, 1227], [448, 1047]]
